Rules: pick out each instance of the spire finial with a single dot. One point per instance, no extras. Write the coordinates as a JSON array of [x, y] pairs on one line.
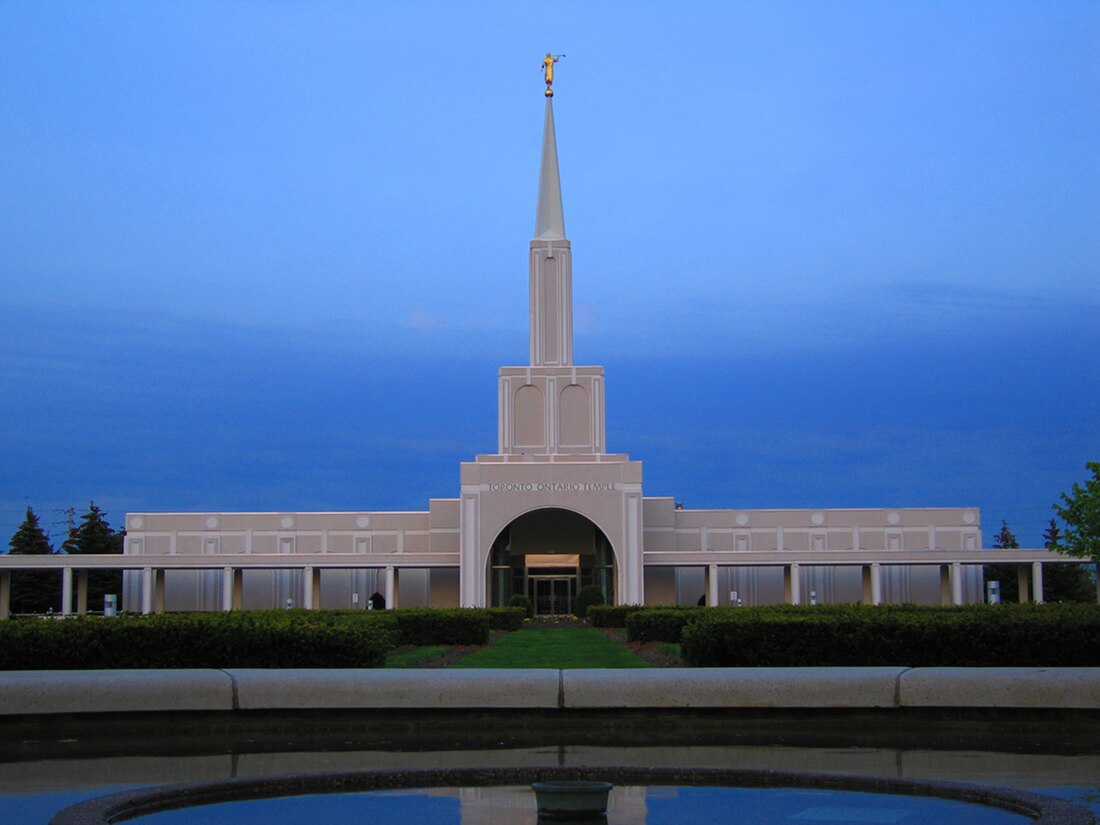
[[548, 70]]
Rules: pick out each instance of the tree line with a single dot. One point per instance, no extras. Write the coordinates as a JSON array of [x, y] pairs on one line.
[[1079, 510], [1061, 582], [39, 591]]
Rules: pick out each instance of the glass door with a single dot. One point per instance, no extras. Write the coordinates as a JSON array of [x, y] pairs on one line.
[[553, 595]]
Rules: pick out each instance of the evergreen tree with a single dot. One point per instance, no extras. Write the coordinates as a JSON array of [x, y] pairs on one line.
[[94, 536], [30, 539], [1052, 536], [1005, 538], [33, 591], [1006, 574], [1065, 582]]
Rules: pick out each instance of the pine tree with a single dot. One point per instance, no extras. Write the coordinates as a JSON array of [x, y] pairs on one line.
[[1006, 574], [30, 539], [1065, 582], [1005, 538], [94, 536], [33, 591], [1052, 536]]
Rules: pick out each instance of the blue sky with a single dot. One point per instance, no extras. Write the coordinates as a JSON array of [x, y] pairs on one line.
[[270, 255]]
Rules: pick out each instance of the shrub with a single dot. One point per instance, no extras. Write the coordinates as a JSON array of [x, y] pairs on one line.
[[260, 638], [588, 596], [506, 618], [1060, 635], [660, 624], [520, 600], [429, 626], [192, 640], [611, 615]]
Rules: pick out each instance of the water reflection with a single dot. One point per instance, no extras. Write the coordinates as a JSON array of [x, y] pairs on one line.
[[627, 806], [1009, 769]]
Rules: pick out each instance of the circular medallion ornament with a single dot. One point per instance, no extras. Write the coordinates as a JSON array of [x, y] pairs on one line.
[[211, 522], [818, 518], [893, 518], [362, 521], [137, 522], [742, 519], [969, 517], [286, 522]]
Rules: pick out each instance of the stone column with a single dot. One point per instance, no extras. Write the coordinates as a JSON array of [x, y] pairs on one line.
[[1022, 582], [876, 583], [5, 594], [228, 581], [471, 571], [307, 588], [147, 590], [311, 588], [82, 592], [630, 561], [956, 583], [712, 585], [391, 593], [1037, 581], [66, 591], [792, 587]]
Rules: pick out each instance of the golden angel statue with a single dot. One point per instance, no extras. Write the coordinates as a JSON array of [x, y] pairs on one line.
[[548, 70]]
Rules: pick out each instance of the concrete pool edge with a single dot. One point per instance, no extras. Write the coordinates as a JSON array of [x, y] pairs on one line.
[[38, 693]]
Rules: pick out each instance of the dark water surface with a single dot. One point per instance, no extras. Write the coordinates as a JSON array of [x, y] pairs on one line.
[[48, 764]]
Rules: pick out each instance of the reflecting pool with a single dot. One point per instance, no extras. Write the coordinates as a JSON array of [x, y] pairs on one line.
[[48, 764]]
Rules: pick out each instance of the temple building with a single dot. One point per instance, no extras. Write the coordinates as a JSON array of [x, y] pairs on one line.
[[550, 511]]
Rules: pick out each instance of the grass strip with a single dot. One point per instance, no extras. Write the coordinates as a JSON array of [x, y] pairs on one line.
[[557, 647], [416, 656]]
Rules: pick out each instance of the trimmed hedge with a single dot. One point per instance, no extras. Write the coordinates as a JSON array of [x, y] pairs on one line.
[[196, 640], [506, 618], [660, 624], [611, 615], [430, 626], [1053, 635], [252, 638], [520, 600], [588, 597]]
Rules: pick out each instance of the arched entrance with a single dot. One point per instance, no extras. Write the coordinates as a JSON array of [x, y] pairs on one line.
[[548, 555]]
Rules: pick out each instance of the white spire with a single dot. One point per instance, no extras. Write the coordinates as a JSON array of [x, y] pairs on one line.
[[549, 218]]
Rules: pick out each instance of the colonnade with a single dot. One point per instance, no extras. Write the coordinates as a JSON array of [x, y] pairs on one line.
[[74, 576], [74, 585], [152, 587], [951, 582]]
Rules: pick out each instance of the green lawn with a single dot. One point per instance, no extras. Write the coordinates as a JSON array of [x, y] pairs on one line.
[[415, 656], [556, 647]]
